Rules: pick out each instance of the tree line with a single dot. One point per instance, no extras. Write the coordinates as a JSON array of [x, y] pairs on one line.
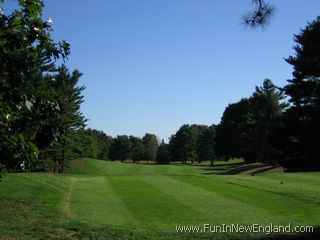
[[190, 143], [275, 125], [280, 125]]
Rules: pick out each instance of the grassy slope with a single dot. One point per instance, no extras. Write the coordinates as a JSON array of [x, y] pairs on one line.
[[131, 201]]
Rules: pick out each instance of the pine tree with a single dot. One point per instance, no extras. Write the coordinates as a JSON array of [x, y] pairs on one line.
[[69, 98], [267, 107], [301, 144]]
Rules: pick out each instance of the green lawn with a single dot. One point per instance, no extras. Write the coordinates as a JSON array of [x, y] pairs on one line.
[[112, 200]]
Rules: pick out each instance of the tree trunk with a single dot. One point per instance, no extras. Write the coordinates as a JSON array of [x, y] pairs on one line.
[[62, 155], [54, 164]]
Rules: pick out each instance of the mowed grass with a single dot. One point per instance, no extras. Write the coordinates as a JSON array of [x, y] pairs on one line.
[[112, 200]]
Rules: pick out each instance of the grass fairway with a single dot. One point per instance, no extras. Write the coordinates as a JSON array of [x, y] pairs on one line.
[[105, 200]]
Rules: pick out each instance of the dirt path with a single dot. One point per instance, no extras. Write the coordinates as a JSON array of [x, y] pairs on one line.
[[67, 199]]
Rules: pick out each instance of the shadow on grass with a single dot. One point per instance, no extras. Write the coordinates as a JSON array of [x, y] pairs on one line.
[[218, 168]]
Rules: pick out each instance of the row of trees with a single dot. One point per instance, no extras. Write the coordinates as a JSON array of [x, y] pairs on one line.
[[246, 126], [91, 143], [273, 125], [192, 143], [267, 129], [81, 143], [287, 134], [129, 147], [244, 132]]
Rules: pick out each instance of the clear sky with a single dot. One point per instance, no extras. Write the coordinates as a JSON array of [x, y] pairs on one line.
[[153, 65]]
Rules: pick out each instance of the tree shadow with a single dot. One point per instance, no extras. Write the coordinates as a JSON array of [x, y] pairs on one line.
[[218, 168]]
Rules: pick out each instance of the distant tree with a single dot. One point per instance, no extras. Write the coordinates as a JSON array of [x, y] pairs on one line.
[[88, 145], [184, 144], [84, 143], [174, 148], [103, 142], [206, 144], [299, 127], [137, 148], [163, 155], [234, 135], [120, 148], [81, 144], [151, 145]]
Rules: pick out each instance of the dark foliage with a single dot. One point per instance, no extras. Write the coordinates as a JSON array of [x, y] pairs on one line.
[[260, 16], [192, 143], [246, 126], [301, 122], [163, 155]]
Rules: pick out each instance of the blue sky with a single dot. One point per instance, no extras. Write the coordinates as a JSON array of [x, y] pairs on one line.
[[153, 65]]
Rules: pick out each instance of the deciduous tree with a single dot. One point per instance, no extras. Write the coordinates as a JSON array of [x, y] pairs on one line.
[[151, 145], [26, 52]]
